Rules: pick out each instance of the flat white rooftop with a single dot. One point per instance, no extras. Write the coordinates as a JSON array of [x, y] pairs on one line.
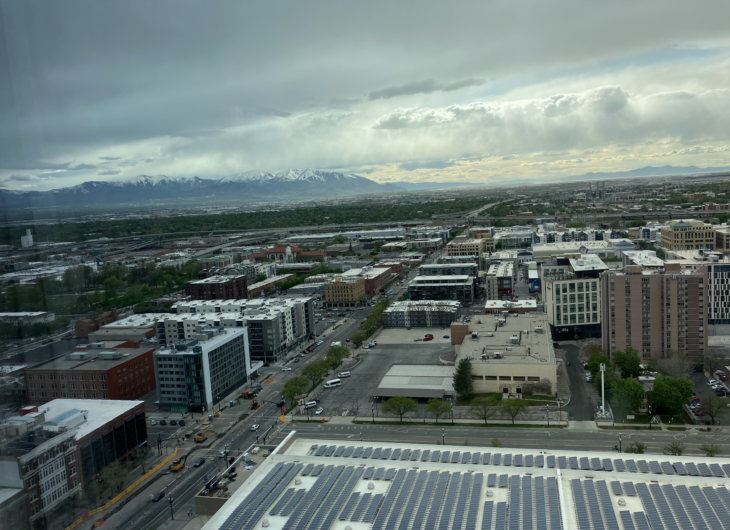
[[98, 411], [510, 304]]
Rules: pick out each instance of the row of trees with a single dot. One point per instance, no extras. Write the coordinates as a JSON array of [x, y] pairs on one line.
[[482, 408], [314, 373], [372, 322]]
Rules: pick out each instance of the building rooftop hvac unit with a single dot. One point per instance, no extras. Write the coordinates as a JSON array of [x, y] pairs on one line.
[[109, 355], [538, 329], [78, 356], [514, 339], [97, 345]]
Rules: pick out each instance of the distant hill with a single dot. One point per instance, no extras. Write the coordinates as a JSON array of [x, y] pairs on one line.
[[648, 171], [242, 187]]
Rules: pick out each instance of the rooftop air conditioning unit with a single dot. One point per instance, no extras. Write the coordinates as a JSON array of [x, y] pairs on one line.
[[514, 339], [490, 334], [498, 355], [538, 329]]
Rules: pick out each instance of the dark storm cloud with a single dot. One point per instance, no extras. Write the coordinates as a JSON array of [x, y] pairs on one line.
[[423, 87], [425, 164]]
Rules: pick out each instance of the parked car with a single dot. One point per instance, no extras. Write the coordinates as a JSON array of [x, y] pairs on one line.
[[181, 423], [163, 422], [417, 339], [255, 427], [320, 410], [173, 422], [199, 462], [711, 382], [427, 339], [286, 369], [153, 422]]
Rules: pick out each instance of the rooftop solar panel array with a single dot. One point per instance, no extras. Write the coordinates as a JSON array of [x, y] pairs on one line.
[[640, 521], [626, 520], [553, 503], [445, 456], [488, 516], [540, 461], [425, 501], [449, 501], [476, 491], [704, 469], [437, 501], [364, 501], [400, 488], [501, 515], [347, 510], [389, 474], [412, 500], [462, 499]]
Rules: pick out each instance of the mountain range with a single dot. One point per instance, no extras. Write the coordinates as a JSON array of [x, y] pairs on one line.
[[250, 186]]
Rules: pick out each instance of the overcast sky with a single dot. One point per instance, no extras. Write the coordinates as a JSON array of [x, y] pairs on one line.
[[409, 90]]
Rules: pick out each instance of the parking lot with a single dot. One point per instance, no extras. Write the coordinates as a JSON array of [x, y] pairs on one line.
[[394, 346]]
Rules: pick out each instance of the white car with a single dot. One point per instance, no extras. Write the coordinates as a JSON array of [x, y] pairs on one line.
[[716, 387], [286, 369], [711, 382], [255, 427], [319, 410], [153, 422]]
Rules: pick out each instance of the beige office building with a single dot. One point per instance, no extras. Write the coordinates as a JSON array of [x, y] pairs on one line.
[[722, 239], [688, 234], [345, 292], [655, 311]]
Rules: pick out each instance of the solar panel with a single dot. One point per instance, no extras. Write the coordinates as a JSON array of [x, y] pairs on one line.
[[395, 455], [529, 459], [503, 481], [553, 503], [435, 456], [348, 451], [616, 488], [449, 501], [581, 509], [425, 502], [705, 508], [618, 465], [726, 469], [372, 508], [389, 474], [317, 470], [389, 518], [540, 504], [476, 458], [562, 462], [463, 497], [307, 470], [704, 469], [631, 466], [415, 455], [514, 503], [692, 469], [716, 470], [663, 507], [487, 516], [465, 458], [339, 450], [540, 461], [357, 453], [643, 466], [655, 468], [629, 489], [445, 456], [599, 522], [437, 500], [584, 464], [487, 459], [316, 497], [667, 468], [526, 505], [640, 521], [361, 507], [693, 511], [331, 449], [573, 462], [424, 456], [385, 454], [279, 505], [507, 460], [476, 491], [724, 495], [596, 464], [379, 473], [368, 473], [405, 454], [626, 520], [368, 452], [551, 461], [676, 505], [607, 465], [491, 480], [413, 499], [376, 453], [455, 457], [497, 459], [518, 461], [320, 450], [339, 495], [717, 504], [501, 515], [649, 507], [349, 506], [292, 502]]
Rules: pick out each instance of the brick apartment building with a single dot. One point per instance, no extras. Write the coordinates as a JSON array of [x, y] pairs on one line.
[[94, 321], [345, 292], [655, 311], [218, 288], [118, 371]]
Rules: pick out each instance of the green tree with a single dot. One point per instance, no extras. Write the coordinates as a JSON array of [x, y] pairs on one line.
[[138, 458], [483, 408], [496, 442], [675, 448], [111, 285], [714, 406], [636, 447], [626, 395], [463, 384], [116, 474], [339, 239], [595, 361], [335, 355], [675, 364], [616, 224], [316, 371], [710, 449], [260, 278], [399, 405], [294, 387], [191, 269], [670, 393], [93, 490], [437, 408], [514, 407], [628, 362]]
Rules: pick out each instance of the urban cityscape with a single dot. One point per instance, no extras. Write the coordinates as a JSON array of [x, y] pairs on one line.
[[469, 336]]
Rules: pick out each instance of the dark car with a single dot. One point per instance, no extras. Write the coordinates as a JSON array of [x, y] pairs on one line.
[[250, 463], [181, 423], [199, 462], [173, 422], [163, 422], [158, 496]]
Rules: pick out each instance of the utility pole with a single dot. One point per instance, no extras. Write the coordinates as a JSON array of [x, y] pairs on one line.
[[169, 498], [603, 390]]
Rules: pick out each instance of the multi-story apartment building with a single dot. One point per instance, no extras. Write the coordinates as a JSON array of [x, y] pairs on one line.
[[718, 292], [62, 446], [275, 326], [572, 296], [457, 287], [345, 292], [196, 373], [688, 234], [375, 279], [448, 269], [218, 288], [466, 247], [655, 311], [120, 372], [423, 314], [499, 280]]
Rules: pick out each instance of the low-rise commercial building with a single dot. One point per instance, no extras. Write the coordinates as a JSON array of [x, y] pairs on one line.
[[498, 307], [449, 269], [257, 289], [688, 234], [722, 239], [655, 311], [196, 373], [422, 314], [467, 247], [572, 296], [499, 281], [458, 287], [24, 318], [602, 249], [345, 292], [218, 288], [508, 353], [132, 328], [120, 371], [375, 278], [396, 267], [645, 258]]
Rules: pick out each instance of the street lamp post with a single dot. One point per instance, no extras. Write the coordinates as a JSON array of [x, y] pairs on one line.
[[619, 442], [452, 413], [547, 409], [219, 402], [443, 436], [169, 498], [372, 406]]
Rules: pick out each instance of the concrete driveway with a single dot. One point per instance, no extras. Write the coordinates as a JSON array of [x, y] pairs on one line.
[[581, 394]]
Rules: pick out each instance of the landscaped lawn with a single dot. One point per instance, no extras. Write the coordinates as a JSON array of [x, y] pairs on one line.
[[533, 400]]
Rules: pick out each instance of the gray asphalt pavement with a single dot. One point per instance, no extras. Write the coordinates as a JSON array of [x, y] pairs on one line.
[[581, 405]]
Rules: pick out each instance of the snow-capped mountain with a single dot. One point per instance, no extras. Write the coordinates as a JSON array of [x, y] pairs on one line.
[[256, 185]]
